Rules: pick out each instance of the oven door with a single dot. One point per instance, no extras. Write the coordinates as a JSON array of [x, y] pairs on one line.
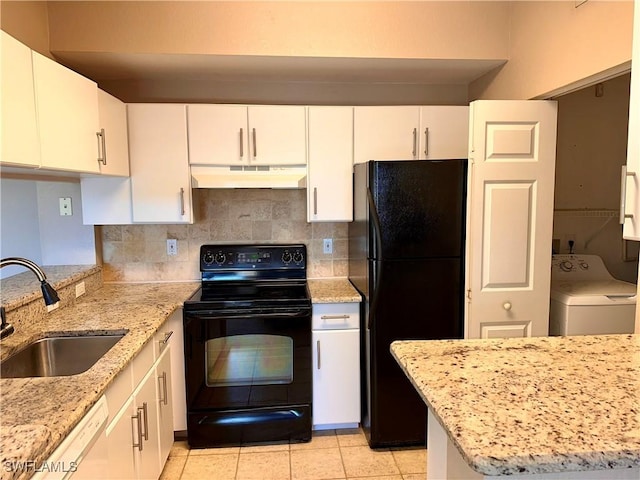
[[248, 375]]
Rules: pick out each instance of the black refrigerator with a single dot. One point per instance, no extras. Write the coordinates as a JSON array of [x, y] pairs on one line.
[[406, 258]]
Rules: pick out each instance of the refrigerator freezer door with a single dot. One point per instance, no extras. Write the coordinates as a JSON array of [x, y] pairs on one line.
[[420, 207]]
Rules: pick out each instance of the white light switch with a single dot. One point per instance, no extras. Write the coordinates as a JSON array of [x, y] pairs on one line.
[[65, 206]]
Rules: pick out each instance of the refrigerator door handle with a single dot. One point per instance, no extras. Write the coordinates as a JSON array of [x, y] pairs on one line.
[[377, 255]]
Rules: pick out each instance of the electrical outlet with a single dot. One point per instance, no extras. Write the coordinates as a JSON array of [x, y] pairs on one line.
[[172, 246], [327, 245], [65, 206], [80, 289]]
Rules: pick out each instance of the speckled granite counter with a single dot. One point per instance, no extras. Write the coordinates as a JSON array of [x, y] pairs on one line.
[[332, 290], [533, 405], [37, 413]]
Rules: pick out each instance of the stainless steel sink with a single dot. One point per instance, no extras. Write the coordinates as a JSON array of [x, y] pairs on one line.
[[58, 356]]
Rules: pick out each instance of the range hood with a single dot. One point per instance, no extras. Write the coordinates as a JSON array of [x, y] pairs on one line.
[[249, 177]]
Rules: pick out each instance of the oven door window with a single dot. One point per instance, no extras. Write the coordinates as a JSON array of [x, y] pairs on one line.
[[241, 360]]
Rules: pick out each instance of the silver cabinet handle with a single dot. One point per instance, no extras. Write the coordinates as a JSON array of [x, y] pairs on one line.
[[138, 418], [315, 200], [415, 141], [426, 142], [241, 142], [334, 317], [146, 420], [318, 350], [623, 194], [166, 338], [164, 399], [182, 211], [102, 147], [255, 144]]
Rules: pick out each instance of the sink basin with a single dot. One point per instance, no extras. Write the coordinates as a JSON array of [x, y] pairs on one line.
[[58, 356]]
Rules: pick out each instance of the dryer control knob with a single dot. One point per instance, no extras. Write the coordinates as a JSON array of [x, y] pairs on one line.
[[566, 266], [584, 266], [507, 306]]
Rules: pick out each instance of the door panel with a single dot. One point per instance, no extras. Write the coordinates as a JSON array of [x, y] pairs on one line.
[[510, 221]]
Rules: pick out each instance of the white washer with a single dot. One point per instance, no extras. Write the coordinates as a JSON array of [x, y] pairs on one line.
[[586, 299]]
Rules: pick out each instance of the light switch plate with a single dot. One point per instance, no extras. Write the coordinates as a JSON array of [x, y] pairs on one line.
[[172, 246]]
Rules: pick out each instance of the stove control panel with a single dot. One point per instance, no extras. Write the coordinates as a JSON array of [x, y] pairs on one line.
[[220, 258]]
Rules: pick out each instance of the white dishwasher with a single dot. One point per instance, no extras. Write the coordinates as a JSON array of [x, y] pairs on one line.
[[83, 454]]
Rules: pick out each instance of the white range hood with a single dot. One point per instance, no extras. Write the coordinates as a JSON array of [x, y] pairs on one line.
[[249, 177]]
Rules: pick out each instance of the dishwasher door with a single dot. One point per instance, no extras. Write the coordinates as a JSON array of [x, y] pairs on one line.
[[83, 454]]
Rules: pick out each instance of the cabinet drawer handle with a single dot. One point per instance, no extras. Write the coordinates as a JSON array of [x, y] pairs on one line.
[[182, 211], [242, 143], [102, 147], [146, 420], [623, 194], [318, 350], [415, 141], [166, 338], [255, 144], [334, 317], [164, 400], [426, 142], [315, 200], [138, 419]]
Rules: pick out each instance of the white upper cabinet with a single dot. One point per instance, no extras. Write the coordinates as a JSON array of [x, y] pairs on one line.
[[67, 113], [630, 204], [385, 133], [113, 140], [330, 164], [434, 132], [160, 179], [228, 135], [444, 132], [20, 143]]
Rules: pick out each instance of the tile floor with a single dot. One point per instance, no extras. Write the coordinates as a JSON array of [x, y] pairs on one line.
[[331, 455]]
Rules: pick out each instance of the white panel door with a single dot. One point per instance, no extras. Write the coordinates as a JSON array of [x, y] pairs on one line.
[[510, 217], [385, 133]]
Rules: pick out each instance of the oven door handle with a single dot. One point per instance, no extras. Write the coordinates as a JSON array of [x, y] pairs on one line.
[[244, 314]]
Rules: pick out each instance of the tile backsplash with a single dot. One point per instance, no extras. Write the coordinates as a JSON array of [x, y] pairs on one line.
[[139, 252]]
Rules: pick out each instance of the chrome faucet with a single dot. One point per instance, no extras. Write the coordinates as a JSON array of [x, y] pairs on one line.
[[49, 295]]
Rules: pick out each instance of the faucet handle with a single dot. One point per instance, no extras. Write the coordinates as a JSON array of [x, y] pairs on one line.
[[5, 329]]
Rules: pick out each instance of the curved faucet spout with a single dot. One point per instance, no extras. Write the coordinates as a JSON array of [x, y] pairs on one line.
[[49, 295]]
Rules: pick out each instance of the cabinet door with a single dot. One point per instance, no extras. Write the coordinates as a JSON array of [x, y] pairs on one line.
[[177, 371], [385, 133], [218, 135], [67, 112], [336, 377], [165, 404], [630, 205], [444, 132], [122, 433], [160, 180], [277, 135], [113, 138], [20, 142], [148, 464], [329, 171]]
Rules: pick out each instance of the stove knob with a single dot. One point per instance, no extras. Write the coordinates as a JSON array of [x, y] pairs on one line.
[[584, 266], [208, 258], [286, 257], [220, 258], [566, 266], [297, 256]]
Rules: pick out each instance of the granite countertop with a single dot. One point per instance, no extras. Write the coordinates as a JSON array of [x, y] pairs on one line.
[[332, 290], [533, 405], [37, 413]]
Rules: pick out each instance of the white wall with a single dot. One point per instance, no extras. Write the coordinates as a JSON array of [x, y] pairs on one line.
[[31, 225]]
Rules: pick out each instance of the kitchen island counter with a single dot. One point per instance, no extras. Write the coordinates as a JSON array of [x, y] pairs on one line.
[[38, 413], [544, 407]]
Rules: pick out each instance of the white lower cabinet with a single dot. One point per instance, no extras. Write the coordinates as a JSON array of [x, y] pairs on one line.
[[140, 434], [336, 365]]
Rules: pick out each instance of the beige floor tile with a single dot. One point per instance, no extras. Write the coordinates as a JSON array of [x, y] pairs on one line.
[[220, 467], [272, 447], [320, 439], [414, 476], [361, 461], [214, 451], [385, 477], [411, 460], [316, 464], [179, 448], [173, 468], [264, 466], [351, 437]]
